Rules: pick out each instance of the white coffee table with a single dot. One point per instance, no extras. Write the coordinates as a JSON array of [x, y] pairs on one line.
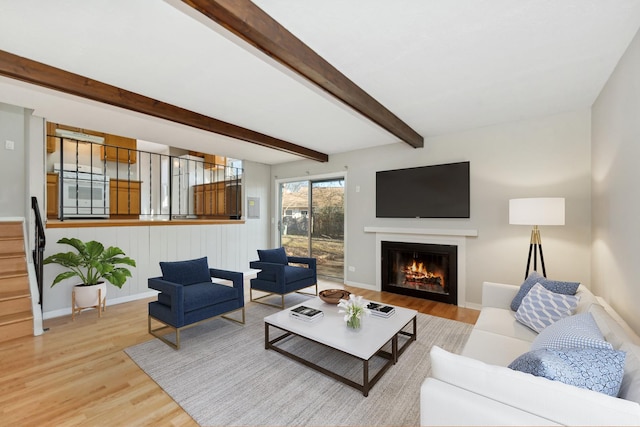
[[332, 332]]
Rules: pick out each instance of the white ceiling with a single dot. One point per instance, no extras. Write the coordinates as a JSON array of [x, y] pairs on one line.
[[441, 66]]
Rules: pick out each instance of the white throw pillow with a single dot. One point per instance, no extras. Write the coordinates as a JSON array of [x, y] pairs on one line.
[[541, 307]]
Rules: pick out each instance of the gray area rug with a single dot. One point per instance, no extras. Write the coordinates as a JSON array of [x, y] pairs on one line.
[[222, 375]]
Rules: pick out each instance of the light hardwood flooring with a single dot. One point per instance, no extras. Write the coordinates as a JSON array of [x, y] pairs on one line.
[[77, 373]]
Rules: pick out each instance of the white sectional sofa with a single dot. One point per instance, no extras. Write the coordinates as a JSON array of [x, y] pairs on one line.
[[477, 387]]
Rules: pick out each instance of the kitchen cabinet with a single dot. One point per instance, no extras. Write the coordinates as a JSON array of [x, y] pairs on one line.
[[217, 199], [212, 161], [124, 199], [209, 199], [53, 142], [52, 196], [119, 149]]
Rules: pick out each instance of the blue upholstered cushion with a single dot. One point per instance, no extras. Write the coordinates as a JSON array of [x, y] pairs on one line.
[[186, 272], [291, 274], [578, 331], [566, 288], [595, 369], [276, 256], [205, 294], [541, 307]]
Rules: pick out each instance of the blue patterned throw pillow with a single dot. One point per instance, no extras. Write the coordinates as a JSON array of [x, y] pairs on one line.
[[540, 307], [578, 331], [595, 369], [565, 288]]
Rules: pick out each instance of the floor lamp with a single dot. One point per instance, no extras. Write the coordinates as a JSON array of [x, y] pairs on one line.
[[536, 211]]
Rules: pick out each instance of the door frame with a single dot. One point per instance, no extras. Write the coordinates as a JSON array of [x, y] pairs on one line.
[[277, 213]]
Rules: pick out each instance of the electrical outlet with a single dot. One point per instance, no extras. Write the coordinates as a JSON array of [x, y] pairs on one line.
[[352, 268], [9, 145]]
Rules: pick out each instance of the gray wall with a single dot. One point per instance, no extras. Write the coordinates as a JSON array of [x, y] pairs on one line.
[[616, 197], [13, 194], [549, 156]]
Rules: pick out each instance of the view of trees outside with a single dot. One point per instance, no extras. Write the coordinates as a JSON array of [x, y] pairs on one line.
[[323, 224]]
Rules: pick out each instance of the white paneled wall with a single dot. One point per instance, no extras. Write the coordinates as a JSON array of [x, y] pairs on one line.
[[226, 247]]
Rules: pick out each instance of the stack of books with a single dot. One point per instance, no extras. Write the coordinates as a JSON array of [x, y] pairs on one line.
[[381, 310], [307, 314]]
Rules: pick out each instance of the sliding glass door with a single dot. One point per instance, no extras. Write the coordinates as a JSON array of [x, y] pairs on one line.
[[312, 223]]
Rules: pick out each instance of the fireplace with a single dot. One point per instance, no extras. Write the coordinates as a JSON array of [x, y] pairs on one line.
[[421, 270]]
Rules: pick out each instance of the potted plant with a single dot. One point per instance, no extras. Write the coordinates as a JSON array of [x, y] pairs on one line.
[[93, 264]]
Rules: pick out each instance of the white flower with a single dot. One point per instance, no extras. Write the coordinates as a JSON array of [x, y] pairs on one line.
[[353, 307]]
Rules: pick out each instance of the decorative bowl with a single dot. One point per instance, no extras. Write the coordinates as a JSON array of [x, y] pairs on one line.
[[333, 296]]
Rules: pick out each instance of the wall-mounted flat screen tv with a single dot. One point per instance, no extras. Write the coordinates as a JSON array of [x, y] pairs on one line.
[[438, 191]]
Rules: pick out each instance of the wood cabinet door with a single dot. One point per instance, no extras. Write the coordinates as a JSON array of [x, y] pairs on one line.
[[52, 195], [120, 149], [124, 198]]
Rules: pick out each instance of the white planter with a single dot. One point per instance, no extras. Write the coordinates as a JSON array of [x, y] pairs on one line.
[[87, 296]]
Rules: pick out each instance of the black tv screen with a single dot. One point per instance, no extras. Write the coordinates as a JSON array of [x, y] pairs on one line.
[[438, 191]]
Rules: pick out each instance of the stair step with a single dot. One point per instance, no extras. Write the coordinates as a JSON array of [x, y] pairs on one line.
[[14, 302], [15, 326], [14, 282], [13, 265], [10, 319], [10, 229], [12, 295], [11, 246]]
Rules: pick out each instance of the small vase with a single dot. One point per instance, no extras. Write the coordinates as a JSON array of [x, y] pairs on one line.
[[353, 322]]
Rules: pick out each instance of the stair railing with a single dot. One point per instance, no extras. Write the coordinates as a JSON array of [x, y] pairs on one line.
[[38, 252]]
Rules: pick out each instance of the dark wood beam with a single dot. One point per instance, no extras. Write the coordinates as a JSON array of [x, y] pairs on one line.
[[27, 70], [252, 24]]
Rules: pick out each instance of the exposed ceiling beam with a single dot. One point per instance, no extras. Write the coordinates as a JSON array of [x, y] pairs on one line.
[[252, 24], [27, 70]]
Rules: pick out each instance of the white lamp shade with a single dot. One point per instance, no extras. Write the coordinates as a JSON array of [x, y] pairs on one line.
[[537, 211]]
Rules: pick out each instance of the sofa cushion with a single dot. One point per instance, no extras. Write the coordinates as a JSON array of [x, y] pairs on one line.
[[615, 331], [541, 307], [578, 331], [276, 256], [503, 322], [186, 272], [630, 388], [566, 288], [595, 369], [557, 402], [205, 294], [482, 346], [291, 274]]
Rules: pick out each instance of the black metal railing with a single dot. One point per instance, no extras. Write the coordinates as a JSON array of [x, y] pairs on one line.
[[38, 252], [137, 184]]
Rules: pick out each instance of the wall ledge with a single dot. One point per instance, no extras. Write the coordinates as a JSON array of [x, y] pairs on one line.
[[425, 231]]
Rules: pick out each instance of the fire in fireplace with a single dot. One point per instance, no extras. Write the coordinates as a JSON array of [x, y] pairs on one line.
[[422, 270]]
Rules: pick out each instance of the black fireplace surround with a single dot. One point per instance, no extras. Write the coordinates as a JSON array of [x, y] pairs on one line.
[[422, 270]]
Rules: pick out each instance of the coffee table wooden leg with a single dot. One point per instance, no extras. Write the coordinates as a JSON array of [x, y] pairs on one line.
[[266, 336], [394, 348], [365, 378]]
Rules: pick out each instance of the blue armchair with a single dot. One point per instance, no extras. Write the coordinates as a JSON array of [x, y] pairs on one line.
[[188, 297], [278, 277]]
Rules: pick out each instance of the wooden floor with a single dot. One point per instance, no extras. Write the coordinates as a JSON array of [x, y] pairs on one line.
[[78, 374]]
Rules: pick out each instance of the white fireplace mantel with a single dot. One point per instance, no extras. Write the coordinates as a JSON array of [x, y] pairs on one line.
[[427, 231], [457, 237]]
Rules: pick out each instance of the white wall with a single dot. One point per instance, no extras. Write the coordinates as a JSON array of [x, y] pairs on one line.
[[549, 156], [13, 194], [616, 198]]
